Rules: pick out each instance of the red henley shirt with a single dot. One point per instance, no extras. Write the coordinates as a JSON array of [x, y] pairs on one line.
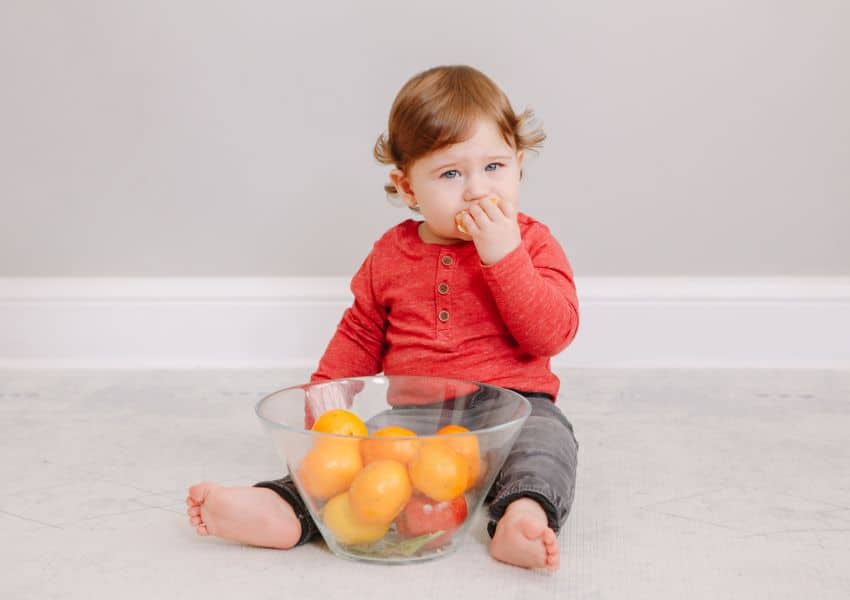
[[430, 309]]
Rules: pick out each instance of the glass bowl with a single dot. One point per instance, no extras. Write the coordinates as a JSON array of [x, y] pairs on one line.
[[404, 495]]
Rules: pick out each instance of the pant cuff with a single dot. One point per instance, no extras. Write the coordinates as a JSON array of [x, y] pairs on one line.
[[286, 490]]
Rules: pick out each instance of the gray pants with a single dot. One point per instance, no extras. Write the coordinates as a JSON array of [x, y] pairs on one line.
[[541, 465]]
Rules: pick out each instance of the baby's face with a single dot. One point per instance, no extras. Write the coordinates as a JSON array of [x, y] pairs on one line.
[[450, 180]]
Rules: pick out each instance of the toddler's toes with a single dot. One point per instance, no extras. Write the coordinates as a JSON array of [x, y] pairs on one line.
[[198, 523], [553, 550], [199, 492]]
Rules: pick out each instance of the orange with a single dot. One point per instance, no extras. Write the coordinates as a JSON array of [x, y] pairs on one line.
[[400, 450], [467, 447], [330, 467], [438, 471], [345, 526], [340, 422], [380, 491]]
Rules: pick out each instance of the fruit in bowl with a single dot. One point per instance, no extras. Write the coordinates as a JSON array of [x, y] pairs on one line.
[[393, 468], [425, 516]]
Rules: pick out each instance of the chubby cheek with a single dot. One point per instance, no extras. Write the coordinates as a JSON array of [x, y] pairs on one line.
[[438, 210], [442, 221]]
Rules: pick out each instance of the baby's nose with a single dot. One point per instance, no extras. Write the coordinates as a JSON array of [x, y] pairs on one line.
[[476, 194], [476, 189]]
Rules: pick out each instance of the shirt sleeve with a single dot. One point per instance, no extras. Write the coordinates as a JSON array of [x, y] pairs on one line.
[[357, 347], [534, 291]]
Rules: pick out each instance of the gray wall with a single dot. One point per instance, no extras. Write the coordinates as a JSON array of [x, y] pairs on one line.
[[178, 138]]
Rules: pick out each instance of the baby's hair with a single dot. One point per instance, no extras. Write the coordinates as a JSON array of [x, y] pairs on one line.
[[439, 107]]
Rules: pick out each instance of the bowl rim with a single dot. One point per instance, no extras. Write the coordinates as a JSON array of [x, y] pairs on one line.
[[525, 403]]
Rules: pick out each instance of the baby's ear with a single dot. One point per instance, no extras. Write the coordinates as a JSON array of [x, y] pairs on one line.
[[402, 186]]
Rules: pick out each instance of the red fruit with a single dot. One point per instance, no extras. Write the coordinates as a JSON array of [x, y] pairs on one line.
[[423, 515]]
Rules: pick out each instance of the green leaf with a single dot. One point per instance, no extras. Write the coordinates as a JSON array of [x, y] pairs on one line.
[[383, 549]]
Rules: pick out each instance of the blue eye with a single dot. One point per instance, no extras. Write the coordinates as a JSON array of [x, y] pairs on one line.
[[454, 173]]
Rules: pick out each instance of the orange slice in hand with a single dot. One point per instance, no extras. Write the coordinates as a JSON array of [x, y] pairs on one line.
[[459, 221]]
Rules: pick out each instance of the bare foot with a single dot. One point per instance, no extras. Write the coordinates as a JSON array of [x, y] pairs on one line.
[[250, 515], [523, 537]]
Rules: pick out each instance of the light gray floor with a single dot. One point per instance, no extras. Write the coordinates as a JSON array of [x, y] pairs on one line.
[[692, 484]]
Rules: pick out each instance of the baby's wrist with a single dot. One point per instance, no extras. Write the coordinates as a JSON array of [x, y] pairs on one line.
[[491, 258]]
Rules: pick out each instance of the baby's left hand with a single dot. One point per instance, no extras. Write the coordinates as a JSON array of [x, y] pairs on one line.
[[492, 223]]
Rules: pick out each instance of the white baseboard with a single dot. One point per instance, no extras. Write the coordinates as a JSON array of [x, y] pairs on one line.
[[286, 322]]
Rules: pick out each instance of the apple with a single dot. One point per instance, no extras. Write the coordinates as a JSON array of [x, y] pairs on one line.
[[422, 515]]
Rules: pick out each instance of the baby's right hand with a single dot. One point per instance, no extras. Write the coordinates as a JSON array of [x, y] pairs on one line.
[[459, 217], [493, 228]]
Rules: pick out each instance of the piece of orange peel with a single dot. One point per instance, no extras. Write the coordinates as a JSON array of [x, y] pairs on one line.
[[459, 216]]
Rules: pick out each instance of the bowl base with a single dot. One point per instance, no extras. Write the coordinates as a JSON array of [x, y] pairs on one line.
[[375, 556]]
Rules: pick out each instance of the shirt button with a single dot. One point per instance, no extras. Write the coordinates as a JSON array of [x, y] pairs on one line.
[[443, 288], [446, 260], [443, 316]]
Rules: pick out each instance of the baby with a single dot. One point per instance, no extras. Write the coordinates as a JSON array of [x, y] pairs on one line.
[[473, 289]]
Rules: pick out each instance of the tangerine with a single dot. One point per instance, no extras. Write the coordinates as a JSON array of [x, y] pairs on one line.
[[467, 446], [330, 467], [400, 450], [340, 422], [380, 491], [344, 524], [438, 471]]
